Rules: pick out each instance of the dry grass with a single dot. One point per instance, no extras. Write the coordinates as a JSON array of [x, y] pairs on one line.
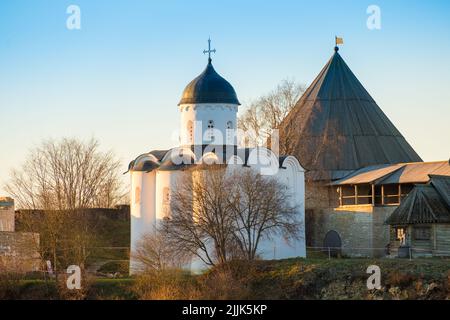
[[224, 283], [164, 285]]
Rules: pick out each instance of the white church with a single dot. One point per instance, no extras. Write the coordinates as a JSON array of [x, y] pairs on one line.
[[208, 121]]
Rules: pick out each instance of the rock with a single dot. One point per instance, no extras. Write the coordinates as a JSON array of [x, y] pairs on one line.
[[432, 286], [395, 293]]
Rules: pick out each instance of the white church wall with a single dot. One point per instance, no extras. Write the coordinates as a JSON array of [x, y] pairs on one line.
[[166, 181], [199, 116], [162, 194], [142, 209], [264, 161], [150, 202], [293, 177], [150, 198]]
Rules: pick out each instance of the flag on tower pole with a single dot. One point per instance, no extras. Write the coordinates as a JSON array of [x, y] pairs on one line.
[[339, 40]]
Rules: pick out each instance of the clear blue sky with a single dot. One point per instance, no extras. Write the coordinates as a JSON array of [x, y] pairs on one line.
[[120, 77]]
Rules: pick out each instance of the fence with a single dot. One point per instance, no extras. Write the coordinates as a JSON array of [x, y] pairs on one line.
[[326, 253], [386, 252]]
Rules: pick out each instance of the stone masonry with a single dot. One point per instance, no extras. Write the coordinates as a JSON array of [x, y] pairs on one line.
[[361, 228], [19, 251]]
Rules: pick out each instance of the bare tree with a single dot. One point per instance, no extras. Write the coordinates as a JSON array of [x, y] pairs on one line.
[[262, 209], [218, 215], [66, 175], [57, 183], [201, 218], [266, 113], [154, 253]]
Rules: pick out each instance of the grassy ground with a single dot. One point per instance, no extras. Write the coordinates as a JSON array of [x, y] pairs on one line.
[[284, 279], [347, 279]]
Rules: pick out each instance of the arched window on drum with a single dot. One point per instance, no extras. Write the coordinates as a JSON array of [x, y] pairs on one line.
[[230, 133], [210, 133], [190, 131]]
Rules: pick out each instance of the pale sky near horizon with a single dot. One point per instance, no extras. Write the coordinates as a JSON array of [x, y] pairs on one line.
[[120, 77]]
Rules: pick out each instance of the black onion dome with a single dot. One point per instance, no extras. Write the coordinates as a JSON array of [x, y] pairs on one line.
[[209, 87]]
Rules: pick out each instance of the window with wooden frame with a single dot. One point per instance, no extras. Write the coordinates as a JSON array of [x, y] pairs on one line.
[[400, 234], [422, 233]]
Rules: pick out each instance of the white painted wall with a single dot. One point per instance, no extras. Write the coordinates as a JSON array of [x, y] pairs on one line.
[[200, 115], [147, 212], [142, 209], [293, 177], [165, 181]]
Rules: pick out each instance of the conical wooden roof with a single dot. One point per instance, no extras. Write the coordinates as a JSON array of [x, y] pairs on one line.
[[425, 204], [336, 127]]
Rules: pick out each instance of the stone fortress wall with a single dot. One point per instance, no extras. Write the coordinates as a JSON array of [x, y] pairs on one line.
[[19, 251]]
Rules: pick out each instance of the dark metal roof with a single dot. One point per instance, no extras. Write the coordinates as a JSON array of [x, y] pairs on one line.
[[424, 204], [417, 172], [145, 166], [146, 163], [368, 174], [223, 152], [442, 185], [6, 202], [209, 87], [159, 154], [337, 126]]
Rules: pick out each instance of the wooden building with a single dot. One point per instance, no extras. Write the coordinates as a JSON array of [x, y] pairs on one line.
[[386, 185], [359, 167], [420, 226]]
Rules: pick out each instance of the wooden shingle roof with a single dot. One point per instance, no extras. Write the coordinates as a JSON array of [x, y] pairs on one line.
[[337, 127], [425, 204], [417, 172]]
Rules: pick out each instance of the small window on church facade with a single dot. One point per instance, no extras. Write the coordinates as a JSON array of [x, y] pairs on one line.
[[166, 196], [230, 133], [137, 195], [210, 130], [190, 129], [166, 202]]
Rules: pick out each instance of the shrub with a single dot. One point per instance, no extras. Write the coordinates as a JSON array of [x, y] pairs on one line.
[[400, 279], [224, 284], [115, 267], [169, 284], [9, 287]]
